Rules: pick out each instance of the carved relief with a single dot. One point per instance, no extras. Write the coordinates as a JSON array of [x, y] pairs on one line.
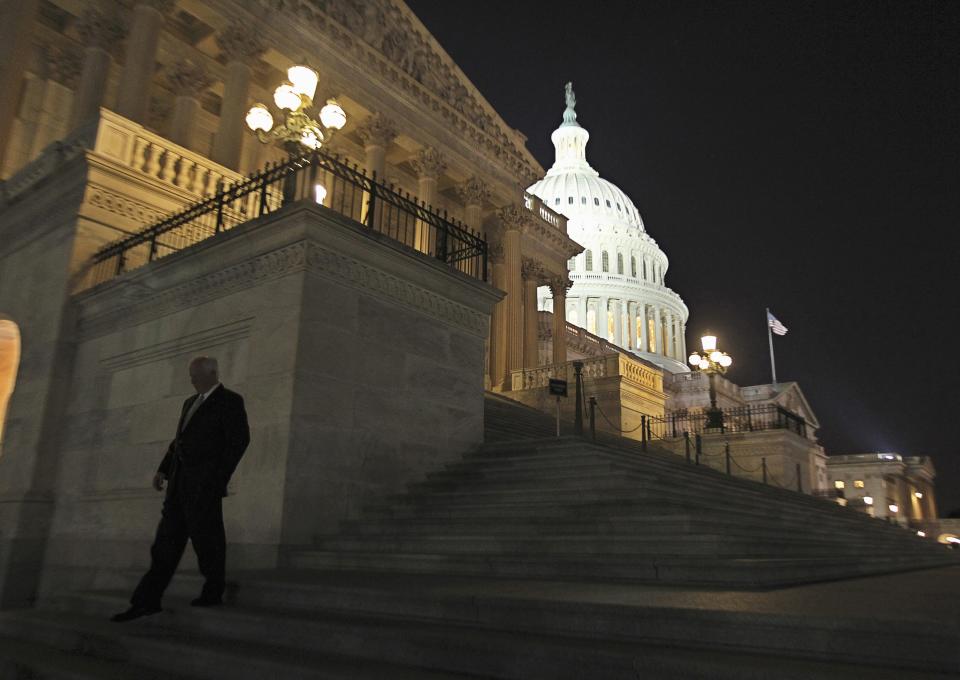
[[377, 130], [559, 285], [240, 42], [474, 191], [187, 78], [97, 29], [532, 270], [514, 216], [429, 162]]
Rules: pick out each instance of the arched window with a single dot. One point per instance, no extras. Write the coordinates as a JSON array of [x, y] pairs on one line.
[[569, 200], [572, 264], [644, 270], [9, 364], [620, 263], [605, 261], [588, 260], [633, 266]]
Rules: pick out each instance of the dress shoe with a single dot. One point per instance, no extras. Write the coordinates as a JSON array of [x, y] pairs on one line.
[[206, 602], [134, 612]]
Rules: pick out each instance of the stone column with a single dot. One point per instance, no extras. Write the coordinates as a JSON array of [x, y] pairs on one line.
[[558, 289], [429, 164], [644, 340], [474, 193], [683, 342], [376, 132], [99, 33], [16, 36], [532, 272], [603, 317], [658, 330], [54, 101], [240, 44], [582, 311], [133, 96], [617, 322], [498, 319], [632, 325], [188, 80], [513, 218], [671, 350]]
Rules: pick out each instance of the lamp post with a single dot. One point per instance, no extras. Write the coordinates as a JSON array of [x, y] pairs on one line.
[[713, 362], [294, 98]]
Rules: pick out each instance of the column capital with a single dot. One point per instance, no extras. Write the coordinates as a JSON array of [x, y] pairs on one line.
[[377, 130], [64, 66], [99, 29], [532, 270], [187, 78], [240, 42], [495, 253], [514, 216], [429, 163], [474, 191], [559, 285]]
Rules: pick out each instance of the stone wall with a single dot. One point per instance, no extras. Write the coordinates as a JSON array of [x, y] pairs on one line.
[[361, 364]]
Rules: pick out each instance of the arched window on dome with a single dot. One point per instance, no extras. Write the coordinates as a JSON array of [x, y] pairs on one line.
[[644, 269], [569, 200], [620, 263], [596, 201], [605, 261], [588, 260], [583, 200], [556, 201], [633, 266], [608, 203]]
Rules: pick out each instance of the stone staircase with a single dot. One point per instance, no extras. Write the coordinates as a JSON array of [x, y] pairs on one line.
[[542, 558]]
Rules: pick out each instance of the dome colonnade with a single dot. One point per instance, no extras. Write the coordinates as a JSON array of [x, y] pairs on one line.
[[619, 291]]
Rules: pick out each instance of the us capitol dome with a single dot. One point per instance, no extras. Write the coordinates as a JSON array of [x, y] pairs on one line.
[[618, 288]]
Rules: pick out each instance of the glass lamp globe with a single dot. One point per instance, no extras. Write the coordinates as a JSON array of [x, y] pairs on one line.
[[704, 364], [725, 361], [715, 356], [868, 500], [259, 118], [332, 115], [694, 359], [304, 80], [893, 507], [311, 137], [709, 343], [287, 97]]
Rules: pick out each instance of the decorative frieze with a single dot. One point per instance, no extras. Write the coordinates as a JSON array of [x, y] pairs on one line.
[[429, 163], [240, 42], [474, 191], [187, 78], [99, 29], [377, 130]]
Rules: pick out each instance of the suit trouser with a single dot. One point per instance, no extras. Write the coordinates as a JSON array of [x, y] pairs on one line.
[[196, 514]]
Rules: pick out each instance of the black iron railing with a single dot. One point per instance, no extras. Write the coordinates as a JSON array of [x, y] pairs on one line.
[[349, 192], [744, 419]]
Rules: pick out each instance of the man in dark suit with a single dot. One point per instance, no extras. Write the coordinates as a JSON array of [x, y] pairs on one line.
[[212, 435]]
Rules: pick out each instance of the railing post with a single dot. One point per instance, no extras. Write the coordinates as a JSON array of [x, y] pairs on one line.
[[593, 422], [686, 444], [153, 248], [372, 202], [799, 480], [441, 253], [763, 464], [726, 452], [578, 409], [220, 193], [699, 443], [750, 418], [643, 432], [121, 261], [673, 422], [263, 191]]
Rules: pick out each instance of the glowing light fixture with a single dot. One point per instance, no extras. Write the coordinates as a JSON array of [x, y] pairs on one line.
[[725, 361], [868, 500], [311, 137], [711, 362], [694, 359], [286, 97], [304, 80], [709, 343], [839, 484], [917, 494], [894, 507], [320, 193], [259, 118], [922, 533], [332, 115]]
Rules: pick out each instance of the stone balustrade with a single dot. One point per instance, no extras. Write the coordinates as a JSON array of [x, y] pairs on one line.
[[608, 366], [146, 153], [545, 213]]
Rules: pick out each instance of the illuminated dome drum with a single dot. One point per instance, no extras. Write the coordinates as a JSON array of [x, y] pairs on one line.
[[618, 288]]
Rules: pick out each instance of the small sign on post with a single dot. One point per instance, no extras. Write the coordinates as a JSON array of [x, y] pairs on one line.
[[558, 388]]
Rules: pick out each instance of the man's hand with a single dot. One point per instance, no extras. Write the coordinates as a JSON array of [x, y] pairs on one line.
[[158, 480]]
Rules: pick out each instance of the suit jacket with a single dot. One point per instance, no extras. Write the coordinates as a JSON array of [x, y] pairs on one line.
[[207, 449]]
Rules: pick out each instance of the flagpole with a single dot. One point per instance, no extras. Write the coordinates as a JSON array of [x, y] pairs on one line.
[[773, 363]]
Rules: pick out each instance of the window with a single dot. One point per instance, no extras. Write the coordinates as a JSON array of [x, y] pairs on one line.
[[588, 260], [858, 483], [605, 261], [572, 264], [556, 201], [596, 201], [644, 270], [620, 263], [633, 266], [583, 200], [608, 204], [570, 200], [618, 207], [838, 484]]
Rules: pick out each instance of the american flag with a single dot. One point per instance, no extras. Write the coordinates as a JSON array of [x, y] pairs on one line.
[[775, 325]]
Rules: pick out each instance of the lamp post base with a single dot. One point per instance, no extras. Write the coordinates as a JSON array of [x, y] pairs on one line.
[[714, 419]]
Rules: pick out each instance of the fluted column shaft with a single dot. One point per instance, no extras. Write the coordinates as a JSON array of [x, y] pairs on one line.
[[658, 329], [498, 325], [133, 96], [228, 145], [513, 262], [582, 311], [16, 34], [559, 292], [683, 342], [531, 345], [671, 351], [188, 80], [617, 323]]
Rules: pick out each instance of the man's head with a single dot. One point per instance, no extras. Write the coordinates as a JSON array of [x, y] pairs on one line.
[[203, 373]]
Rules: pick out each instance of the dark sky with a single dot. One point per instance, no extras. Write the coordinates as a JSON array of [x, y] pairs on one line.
[[799, 155]]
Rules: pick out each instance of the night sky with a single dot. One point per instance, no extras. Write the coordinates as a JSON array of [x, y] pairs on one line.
[[803, 156]]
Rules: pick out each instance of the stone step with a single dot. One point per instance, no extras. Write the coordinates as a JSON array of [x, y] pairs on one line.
[[469, 625]]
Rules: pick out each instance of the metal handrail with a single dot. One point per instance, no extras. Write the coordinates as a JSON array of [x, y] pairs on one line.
[[742, 419], [350, 192]]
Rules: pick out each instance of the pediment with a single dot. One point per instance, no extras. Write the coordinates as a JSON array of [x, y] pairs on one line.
[[392, 29]]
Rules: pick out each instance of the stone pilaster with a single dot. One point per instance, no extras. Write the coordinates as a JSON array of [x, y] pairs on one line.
[[644, 326], [658, 330], [240, 44], [99, 33], [618, 323], [498, 319], [671, 335], [133, 95], [513, 218], [188, 81], [533, 273], [429, 164]]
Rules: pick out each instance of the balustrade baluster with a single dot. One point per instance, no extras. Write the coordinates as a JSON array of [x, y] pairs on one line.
[[169, 171], [153, 160], [138, 160]]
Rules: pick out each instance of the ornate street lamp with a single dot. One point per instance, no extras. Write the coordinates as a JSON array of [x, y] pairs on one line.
[[294, 97], [712, 362]]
